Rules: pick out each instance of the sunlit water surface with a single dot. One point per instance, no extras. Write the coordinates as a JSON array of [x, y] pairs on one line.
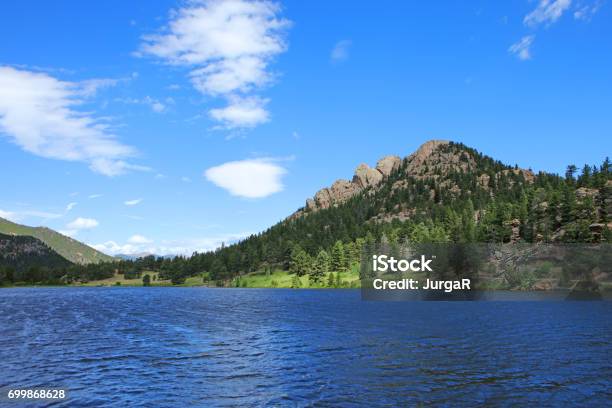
[[176, 347]]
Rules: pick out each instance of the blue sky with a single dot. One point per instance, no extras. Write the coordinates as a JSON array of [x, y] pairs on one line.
[[174, 126]]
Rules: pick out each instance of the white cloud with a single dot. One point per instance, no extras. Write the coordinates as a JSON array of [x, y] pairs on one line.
[[158, 107], [37, 112], [522, 49], [251, 178], [133, 202], [178, 247], [20, 215], [9, 215], [155, 105], [242, 113], [585, 12], [547, 11], [81, 223], [228, 45], [92, 196], [340, 52], [70, 206], [113, 248], [139, 239], [185, 179], [68, 232], [115, 167], [91, 86]]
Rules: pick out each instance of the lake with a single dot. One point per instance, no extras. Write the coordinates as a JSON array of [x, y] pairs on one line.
[[175, 347]]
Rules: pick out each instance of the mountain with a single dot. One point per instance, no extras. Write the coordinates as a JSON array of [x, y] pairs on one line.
[[445, 191], [435, 159], [23, 252], [133, 257], [69, 248]]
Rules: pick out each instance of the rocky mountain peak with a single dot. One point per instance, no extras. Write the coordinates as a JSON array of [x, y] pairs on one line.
[[367, 177], [388, 164]]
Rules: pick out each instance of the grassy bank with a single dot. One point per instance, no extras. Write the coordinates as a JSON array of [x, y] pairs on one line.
[[259, 279], [283, 279]]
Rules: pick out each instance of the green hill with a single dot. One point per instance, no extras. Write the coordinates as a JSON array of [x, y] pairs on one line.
[[69, 248]]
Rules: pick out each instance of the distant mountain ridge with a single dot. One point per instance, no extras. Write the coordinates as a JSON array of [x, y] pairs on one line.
[[69, 248], [138, 255]]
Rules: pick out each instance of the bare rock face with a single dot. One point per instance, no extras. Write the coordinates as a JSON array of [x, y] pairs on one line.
[[483, 180], [366, 177], [527, 174], [339, 192], [388, 164], [417, 159], [583, 192]]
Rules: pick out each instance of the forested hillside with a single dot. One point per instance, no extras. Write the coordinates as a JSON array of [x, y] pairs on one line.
[[444, 192], [28, 259], [69, 248]]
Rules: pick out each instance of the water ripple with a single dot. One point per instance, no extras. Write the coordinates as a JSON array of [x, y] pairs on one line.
[[168, 347]]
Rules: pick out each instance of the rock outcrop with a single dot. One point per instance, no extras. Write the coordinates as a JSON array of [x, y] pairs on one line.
[[388, 165], [339, 192], [366, 177], [429, 161]]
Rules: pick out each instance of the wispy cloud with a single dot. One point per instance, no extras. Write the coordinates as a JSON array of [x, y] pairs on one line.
[[340, 52], [228, 45], [37, 111], [81, 223], [77, 225], [522, 49], [139, 239], [20, 215], [156, 105], [8, 215], [92, 196], [133, 202], [70, 206], [547, 12], [585, 12], [250, 178]]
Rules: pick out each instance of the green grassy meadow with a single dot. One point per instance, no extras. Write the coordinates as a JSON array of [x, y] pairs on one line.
[[259, 279]]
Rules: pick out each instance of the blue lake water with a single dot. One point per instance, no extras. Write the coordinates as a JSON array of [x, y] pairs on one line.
[[176, 347]]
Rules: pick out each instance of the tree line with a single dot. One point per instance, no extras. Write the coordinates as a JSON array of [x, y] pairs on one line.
[[491, 202]]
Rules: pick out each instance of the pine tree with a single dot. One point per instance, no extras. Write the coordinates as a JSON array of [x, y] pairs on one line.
[[320, 267], [300, 261], [338, 262], [569, 173]]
